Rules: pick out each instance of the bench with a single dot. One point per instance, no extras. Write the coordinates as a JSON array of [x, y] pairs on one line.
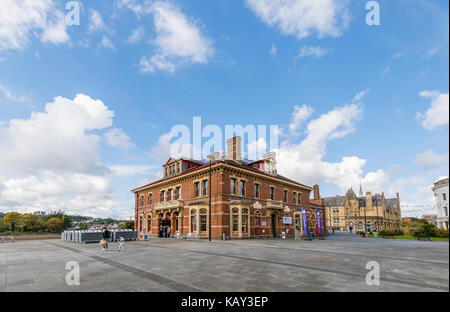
[[425, 237]]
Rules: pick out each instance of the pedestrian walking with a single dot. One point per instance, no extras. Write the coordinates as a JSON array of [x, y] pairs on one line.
[[121, 243], [106, 237], [332, 229]]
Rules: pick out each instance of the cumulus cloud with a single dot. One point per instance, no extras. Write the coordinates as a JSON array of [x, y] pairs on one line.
[[50, 161], [179, 40], [430, 161], [437, 114], [300, 114], [118, 138], [305, 161], [19, 20], [302, 18]]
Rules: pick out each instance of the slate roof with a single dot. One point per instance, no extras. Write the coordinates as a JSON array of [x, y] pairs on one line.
[[334, 201]]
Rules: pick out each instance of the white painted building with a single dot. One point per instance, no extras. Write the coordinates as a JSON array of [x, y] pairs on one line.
[[441, 192]]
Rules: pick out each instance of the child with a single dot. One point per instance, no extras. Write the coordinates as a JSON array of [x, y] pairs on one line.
[[121, 243]]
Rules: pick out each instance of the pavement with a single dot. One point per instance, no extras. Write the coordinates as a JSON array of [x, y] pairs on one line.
[[333, 265]]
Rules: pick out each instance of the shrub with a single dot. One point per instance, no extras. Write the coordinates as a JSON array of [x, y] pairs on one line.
[[54, 225], [428, 230], [441, 233], [400, 232]]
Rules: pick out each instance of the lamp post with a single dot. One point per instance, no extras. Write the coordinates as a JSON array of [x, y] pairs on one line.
[[209, 193]]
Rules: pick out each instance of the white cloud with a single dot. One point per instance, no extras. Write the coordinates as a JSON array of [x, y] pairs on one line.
[[179, 41], [106, 43], [437, 114], [360, 95], [8, 94], [117, 138], [305, 161], [21, 19], [95, 22], [430, 161], [312, 51], [50, 161], [131, 170], [302, 18], [273, 50], [136, 35], [300, 114], [257, 149]]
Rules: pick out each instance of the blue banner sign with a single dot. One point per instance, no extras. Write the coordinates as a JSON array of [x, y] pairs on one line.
[[305, 220], [319, 221]]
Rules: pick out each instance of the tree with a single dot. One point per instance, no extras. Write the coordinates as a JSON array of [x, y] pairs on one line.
[[129, 224], [3, 227], [54, 225], [30, 222], [67, 221], [12, 219]]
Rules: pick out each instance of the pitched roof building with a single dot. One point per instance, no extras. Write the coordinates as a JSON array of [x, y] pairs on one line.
[[248, 199], [361, 213]]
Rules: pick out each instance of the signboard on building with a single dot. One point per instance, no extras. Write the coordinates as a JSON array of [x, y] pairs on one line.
[[287, 220]]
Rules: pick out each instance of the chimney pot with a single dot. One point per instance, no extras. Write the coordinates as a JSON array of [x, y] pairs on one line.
[[234, 148]]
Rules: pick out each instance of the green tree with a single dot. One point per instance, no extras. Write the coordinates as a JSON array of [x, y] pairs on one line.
[[67, 220], [54, 225], [3, 227], [12, 219], [129, 224], [30, 222]]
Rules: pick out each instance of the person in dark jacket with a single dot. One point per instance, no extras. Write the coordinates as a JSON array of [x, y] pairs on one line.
[[106, 236]]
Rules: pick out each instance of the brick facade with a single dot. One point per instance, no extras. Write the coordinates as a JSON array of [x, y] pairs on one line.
[[237, 216]]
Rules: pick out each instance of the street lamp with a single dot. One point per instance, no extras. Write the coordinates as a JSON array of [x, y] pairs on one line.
[[210, 157]]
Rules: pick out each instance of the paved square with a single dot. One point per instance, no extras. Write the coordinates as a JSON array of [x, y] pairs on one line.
[[335, 264]]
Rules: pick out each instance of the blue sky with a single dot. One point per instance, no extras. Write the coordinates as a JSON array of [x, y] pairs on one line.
[[355, 103]]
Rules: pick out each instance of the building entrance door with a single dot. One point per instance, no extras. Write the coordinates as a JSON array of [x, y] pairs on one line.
[[164, 227], [274, 225]]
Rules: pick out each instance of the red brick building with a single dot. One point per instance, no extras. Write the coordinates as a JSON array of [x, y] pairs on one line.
[[248, 199]]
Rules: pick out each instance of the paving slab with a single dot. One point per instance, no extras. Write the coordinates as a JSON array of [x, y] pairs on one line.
[[335, 264]]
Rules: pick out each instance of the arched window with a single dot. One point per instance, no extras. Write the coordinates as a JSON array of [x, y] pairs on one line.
[[141, 200], [203, 220], [257, 218], [150, 199], [245, 220], [193, 221], [235, 219], [141, 221]]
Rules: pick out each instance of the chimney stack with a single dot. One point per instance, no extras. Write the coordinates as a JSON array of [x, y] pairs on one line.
[[316, 192], [234, 148]]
